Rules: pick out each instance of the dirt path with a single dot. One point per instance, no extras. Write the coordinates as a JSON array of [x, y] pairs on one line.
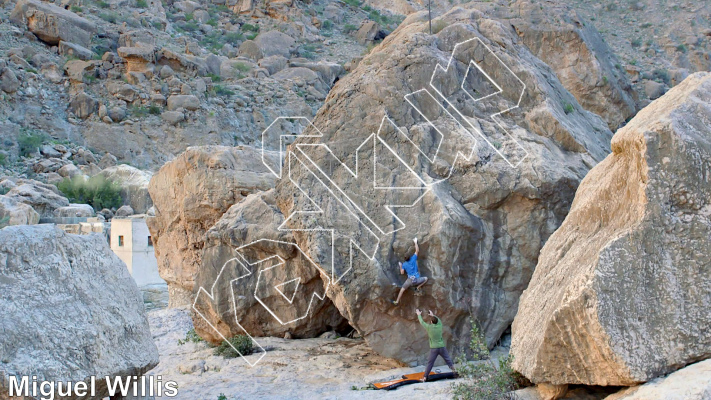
[[292, 369]]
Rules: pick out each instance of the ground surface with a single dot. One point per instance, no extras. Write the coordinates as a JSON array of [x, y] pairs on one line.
[[291, 369]]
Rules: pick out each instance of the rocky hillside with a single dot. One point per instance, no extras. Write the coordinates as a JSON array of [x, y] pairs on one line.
[[143, 80]]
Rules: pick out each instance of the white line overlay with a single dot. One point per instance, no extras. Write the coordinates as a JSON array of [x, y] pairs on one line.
[[302, 160]]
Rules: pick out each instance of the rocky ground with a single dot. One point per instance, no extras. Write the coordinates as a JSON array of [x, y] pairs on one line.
[[169, 99], [322, 368]]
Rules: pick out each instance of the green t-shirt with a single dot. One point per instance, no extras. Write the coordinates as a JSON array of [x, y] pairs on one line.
[[434, 331]]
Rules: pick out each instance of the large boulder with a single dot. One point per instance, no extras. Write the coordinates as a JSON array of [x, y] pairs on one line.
[[190, 194], [585, 65], [482, 227], [134, 186], [252, 226], [692, 382], [12, 212], [83, 105], [52, 24], [70, 310], [272, 43], [622, 292], [74, 210], [42, 197]]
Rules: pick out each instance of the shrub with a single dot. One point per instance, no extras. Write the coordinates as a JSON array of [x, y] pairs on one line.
[[222, 397], [681, 48], [219, 90], [154, 109], [348, 28], [661, 75], [241, 67], [636, 42], [111, 17], [568, 108], [138, 111], [96, 191], [5, 221], [242, 343], [3, 159], [232, 37], [75, 9], [354, 3], [482, 379], [30, 141], [327, 25], [250, 28], [438, 25], [103, 4], [190, 337], [252, 35], [141, 4], [191, 26]]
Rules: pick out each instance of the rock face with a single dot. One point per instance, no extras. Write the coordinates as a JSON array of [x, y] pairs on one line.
[[70, 309], [622, 294], [42, 197], [252, 225], [190, 194], [689, 383], [481, 229], [12, 212], [583, 62], [134, 186], [52, 24]]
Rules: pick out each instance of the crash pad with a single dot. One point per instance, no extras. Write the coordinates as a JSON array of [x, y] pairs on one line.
[[412, 378]]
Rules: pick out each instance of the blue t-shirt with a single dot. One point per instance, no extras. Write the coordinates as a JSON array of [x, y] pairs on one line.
[[410, 267]]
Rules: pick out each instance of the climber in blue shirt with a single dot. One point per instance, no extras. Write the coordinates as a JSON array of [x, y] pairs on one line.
[[413, 275]]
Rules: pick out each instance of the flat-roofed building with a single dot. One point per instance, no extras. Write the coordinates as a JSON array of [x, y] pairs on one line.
[[131, 241]]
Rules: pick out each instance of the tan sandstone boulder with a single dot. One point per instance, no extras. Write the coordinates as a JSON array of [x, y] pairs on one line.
[[481, 228], [285, 300], [52, 24], [134, 186], [43, 198], [190, 194], [622, 292], [13, 212]]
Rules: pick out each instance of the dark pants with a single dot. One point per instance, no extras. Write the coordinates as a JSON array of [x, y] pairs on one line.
[[442, 351]]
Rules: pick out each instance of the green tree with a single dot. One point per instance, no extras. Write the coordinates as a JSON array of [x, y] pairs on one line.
[[96, 191], [30, 141]]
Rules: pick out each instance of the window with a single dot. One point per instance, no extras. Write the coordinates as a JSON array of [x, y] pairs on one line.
[[150, 241], [120, 241]]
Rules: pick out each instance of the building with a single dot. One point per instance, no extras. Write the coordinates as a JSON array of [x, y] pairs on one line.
[[132, 242]]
